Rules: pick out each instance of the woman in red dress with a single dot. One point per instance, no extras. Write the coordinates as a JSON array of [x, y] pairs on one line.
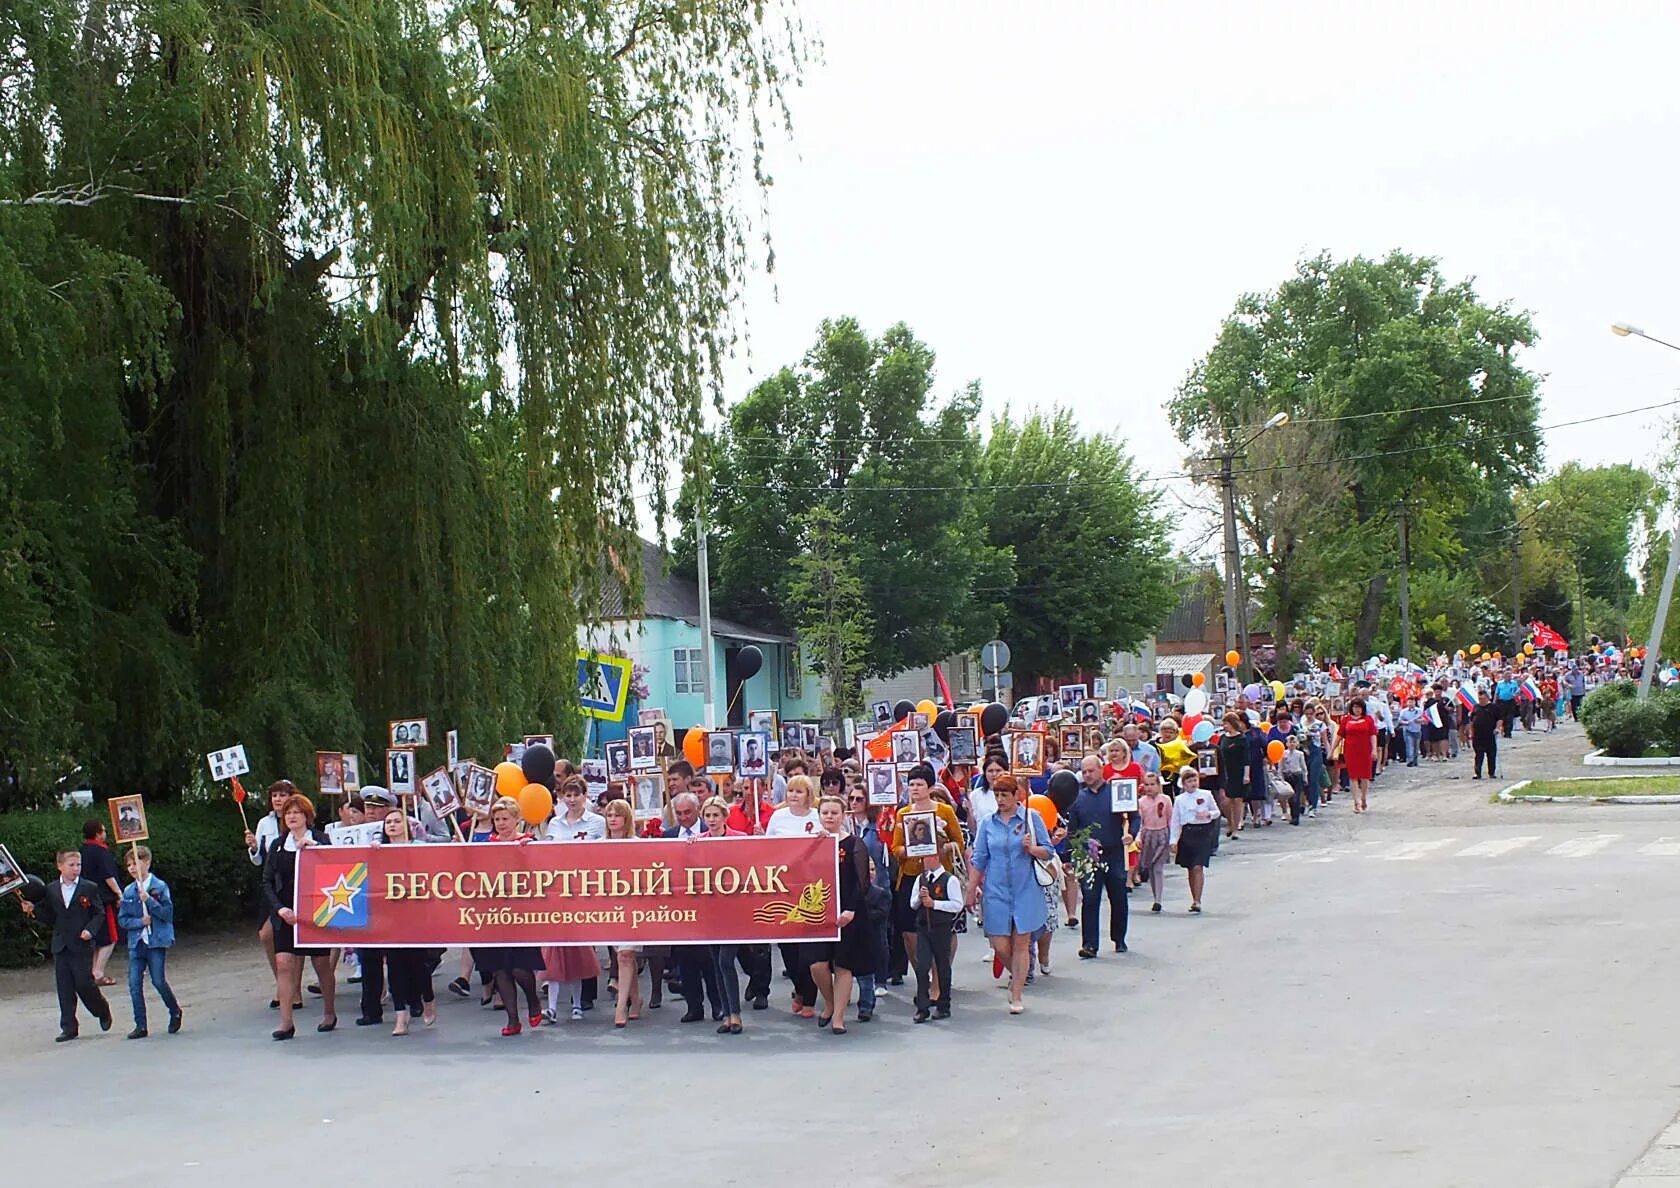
[[1359, 749]]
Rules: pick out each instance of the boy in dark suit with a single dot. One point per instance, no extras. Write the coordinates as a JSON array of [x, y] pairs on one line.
[[74, 909]]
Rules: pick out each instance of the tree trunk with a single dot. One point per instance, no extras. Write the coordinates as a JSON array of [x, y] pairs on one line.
[[1370, 615]]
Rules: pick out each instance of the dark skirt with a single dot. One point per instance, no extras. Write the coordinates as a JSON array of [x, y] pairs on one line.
[[855, 950], [496, 960], [285, 940], [1196, 844]]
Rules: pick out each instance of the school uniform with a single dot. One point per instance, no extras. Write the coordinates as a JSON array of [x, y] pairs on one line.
[[933, 935], [71, 909]]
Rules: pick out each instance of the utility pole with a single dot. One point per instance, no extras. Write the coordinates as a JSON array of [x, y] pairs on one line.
[[1649, 664], [1227, 484], [1516, 582], [1405, 594], [1581, 599], [707, 699]]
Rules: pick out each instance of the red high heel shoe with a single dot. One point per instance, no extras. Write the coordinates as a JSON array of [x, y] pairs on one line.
[[512, 1029], [536, 1022]]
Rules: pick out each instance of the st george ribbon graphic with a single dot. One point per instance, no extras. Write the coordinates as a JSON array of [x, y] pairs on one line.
[[737, 890]]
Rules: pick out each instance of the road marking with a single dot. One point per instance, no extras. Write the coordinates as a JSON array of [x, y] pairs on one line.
[[1580, 847], [1663, 847], [1412, 850], [1496, 847]]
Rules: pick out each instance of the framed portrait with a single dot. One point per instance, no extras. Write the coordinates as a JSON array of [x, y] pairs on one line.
[[399, 771], [594, 773], [409, 733], [539, 740], [1121, 693], [755, 755], [369, 833], [968, 721], [128, 818], [881, 713], [764, 722], [906, 747], [1026, 753], [439, 789], [880, 782], [808, 737], [452, 749], [1072, 740], [352, 773], [1099, 688], [228, 762], [919, 720], [1093, 737], [329, 772], [792, 735], [1071, 695], [920, 839], [901, 783], [965, 746], [643, 756], [11, 874], [934, 750], [1215, 711], [652, 714], [1337, 706], [618, 759], [1090, 711], [848, 733], [720, 752], [647, 795], [1123, 794], [478, 787], [1207, 762]]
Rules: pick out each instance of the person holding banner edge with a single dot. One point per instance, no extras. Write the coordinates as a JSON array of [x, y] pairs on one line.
[[279, 892]]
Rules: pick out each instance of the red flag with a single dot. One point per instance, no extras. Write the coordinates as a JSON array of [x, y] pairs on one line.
[[944, 689], [1545, 637], [238, 792]]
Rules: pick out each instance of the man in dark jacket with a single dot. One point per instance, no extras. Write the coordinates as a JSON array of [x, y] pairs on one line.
[[73, 908], [1484, 724]]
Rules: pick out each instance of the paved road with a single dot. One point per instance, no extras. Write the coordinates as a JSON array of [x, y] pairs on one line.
[[1443, 993]]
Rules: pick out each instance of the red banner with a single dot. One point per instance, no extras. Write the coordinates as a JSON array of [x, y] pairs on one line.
[[738, 890]]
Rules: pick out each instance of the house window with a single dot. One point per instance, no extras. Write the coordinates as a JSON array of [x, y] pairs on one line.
[[689, 675]]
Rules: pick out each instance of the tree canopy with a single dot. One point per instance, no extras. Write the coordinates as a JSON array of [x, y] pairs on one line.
[[337, 337]]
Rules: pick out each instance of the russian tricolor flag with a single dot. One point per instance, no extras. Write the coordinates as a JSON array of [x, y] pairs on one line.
[[1532, 689], [1464, 698]]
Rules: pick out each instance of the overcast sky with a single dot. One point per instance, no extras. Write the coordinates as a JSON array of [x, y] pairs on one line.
[[1064, 199]]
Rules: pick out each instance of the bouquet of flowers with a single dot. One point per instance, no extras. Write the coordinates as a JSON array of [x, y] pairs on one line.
[[1085, 856]]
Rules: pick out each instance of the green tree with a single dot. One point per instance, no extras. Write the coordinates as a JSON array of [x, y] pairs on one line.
[[333, 335], [1412, 381], [1091, 552], [853, 429], [825, 600]]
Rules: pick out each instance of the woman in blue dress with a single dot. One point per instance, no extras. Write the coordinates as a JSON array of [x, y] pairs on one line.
[[1002, 879]]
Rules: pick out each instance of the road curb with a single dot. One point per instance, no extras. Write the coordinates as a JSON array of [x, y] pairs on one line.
[[1513, 795], [1599, 759]]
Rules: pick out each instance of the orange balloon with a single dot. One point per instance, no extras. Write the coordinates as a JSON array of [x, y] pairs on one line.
[[510, 780], [694, 747], [1233, 658], [1199, 679], [1274, 750], [1045, 808], [535, 803]]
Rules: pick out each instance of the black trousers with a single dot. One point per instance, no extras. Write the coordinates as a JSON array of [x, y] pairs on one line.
[[73, 973], [697, 974], [754, 961], [797, 960], [1113, 879], [1486, 748], [933, 948], [373, 981], [411, 979], [1507, 711]]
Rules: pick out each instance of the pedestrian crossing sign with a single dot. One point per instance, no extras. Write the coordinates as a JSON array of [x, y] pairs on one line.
[[603, 685]]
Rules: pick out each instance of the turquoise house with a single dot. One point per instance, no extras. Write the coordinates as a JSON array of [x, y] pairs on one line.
[[663, 643]]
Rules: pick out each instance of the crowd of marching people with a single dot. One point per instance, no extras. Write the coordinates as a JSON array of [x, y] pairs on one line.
[[1020, 855]]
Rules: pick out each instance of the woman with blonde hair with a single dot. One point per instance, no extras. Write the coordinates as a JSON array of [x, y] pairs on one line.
[[797, 818], [621, 826]]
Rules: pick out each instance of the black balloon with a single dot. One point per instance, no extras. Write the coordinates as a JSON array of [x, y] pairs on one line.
[[538, 765], [1064, 790], [943, 724], [903, 709], [1186, 680], [994, 718], [746, 662]]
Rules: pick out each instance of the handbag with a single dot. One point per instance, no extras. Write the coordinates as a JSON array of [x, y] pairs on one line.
[[1043, 875]]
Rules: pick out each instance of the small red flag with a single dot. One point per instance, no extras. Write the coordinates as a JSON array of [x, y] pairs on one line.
[[944, 688], [238, 792]]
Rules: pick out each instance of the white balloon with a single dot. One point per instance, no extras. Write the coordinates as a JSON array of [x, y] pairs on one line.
[[1195, 701]]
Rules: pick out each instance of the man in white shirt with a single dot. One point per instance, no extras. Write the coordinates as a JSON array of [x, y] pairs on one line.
[[696, 971]]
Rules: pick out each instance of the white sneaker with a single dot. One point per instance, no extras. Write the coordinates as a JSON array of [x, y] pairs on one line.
[[577, 1014], [1044, 967], [1312, 812], [549, 1016]]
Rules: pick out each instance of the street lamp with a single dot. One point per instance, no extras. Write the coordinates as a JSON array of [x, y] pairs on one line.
[[1649, 664], [1236, 606]]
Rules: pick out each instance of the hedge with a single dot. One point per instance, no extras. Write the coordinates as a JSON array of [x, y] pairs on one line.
[[1601, 699], [1630, 729], [198, 849]]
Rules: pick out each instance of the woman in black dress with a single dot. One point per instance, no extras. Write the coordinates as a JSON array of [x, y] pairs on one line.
[[836, 964], [1233, 770], [279, 892], [410, 969], [515, 966]]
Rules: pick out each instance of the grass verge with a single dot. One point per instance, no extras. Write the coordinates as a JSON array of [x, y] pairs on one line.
[[1609, 786]]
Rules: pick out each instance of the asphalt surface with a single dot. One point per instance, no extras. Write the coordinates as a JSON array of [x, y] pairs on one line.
[[1444, 992]]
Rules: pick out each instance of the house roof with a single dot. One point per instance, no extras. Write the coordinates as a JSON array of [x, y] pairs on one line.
[[670, 594], [1179, 665]]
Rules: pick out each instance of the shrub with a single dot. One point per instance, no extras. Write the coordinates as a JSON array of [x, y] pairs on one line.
[[1627, 728], [198, 850], [1603, 697]]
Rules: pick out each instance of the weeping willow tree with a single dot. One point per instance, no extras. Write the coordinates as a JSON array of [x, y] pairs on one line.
[[337, 339]]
